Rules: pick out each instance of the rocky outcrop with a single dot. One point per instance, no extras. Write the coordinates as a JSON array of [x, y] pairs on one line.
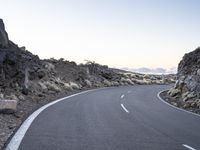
[[189, 73], [8, 106], [17, 66], [190, 63], [3, 35], [187, 88]]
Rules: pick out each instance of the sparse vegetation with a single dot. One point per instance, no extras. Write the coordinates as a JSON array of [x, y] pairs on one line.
[[34, 82]]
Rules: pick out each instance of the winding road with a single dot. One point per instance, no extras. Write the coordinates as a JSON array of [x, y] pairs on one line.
[[120, 118]]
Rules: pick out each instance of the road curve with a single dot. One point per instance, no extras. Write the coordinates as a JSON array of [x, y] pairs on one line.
[[121, 118]]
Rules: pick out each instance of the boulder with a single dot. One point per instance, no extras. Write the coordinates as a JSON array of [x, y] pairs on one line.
[[191, 95], [52, 87], [8, 106], [21, 97], [43, 86], [68, 87], [107, 83], [198, 72], [49, 66], [174, 92], [12, 96], [186, 105], [115, 83], [1, 96], [198, 103], [3, 35], [88, 83], [174, 104], [74, 85]]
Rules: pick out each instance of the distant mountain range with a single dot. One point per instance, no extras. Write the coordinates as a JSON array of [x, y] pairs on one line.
[[146, 70]]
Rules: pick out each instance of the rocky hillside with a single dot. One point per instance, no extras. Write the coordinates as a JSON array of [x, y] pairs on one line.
[[186, 92], [27, 82]]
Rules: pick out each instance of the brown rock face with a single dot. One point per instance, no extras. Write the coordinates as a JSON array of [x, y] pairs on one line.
[[3, 35]]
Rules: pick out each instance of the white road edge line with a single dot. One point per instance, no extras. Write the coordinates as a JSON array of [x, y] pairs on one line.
[[122, 96], [158, 95], [189, 147], [19, 135], [124, 108]]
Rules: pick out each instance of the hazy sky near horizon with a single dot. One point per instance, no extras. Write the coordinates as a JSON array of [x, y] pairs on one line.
[[118, 33]]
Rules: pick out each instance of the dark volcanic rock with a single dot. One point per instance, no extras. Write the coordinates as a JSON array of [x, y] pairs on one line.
[[190, 63], [14, 62], [3, 35], [189, 72], [187, 88]]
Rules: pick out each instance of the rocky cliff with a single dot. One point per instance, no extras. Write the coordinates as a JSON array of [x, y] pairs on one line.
[[186, 92], [189, 73]]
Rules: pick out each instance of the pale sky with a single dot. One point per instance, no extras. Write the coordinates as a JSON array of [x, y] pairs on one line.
[[118, 33]]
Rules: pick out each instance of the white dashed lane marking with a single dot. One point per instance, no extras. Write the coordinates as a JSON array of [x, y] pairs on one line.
[[189, 147], [126, 110]]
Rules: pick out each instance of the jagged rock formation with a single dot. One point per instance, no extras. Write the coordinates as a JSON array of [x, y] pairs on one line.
[[3, 35], [189, 73], [190, 63], [187, 88], [14, 63]]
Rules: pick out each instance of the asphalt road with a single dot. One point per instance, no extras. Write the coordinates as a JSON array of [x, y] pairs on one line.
[[122, 118]]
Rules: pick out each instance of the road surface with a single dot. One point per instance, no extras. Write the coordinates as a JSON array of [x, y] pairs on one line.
[[121, 118]]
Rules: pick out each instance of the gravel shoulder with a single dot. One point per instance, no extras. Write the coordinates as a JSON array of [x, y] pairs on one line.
[[178, 102]]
